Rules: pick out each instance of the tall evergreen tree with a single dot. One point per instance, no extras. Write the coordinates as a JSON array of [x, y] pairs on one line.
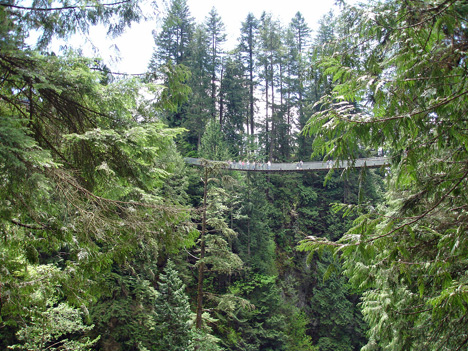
[[300, 35], [290, 85], [216, 32], [247, 48], [234, 91], [270, 42], [172, 43], [173, 49], [215, 254], [199, 108], [213, 146], [173, 329]]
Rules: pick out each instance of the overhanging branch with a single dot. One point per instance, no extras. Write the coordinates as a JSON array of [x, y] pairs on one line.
[[46, 9]]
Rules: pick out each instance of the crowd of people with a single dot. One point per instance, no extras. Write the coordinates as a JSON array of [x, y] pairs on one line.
[[247, 165], [256, 165]]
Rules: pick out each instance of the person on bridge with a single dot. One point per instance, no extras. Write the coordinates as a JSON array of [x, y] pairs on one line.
[[269, 164]]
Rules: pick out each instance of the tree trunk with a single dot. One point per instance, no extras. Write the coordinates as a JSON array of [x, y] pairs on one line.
[[251, 83], [201, 267], [221, 98], [267, 130]]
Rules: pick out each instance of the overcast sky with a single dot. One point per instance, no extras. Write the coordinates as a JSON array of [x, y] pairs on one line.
[[136, 46]]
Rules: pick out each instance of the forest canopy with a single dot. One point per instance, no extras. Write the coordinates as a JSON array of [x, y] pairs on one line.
[[110, 242]]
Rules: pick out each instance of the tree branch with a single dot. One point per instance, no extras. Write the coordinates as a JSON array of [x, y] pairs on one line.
[[383, 120], [45, 9], [29, 226], [418, 217]]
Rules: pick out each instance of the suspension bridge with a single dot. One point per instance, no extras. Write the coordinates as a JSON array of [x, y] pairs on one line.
[[372, 162]]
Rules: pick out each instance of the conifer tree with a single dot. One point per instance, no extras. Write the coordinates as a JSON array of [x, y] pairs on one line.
[[216, 32], [270, 42], [199, 108], [172, 43], [234, 92], [401, 85], [298, 48], [247, 49], [173, 330], [213, 145], [81, 172], [215, 254], [173, 49]]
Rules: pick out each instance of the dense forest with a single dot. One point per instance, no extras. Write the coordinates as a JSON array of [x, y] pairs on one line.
[[110, 241]]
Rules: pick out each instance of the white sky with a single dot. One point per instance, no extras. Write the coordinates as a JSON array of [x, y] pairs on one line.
[[137, 45]]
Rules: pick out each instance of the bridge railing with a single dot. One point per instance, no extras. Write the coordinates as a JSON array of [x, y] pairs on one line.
[[371, 162]]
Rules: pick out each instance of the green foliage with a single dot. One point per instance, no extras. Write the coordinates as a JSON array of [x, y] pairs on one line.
[[173, 40], [399, 85], [205, 341], [94, 192], [334, 309], [125, 315], [173, 54], [249, 216], [297, 333], [215, 29], [234, 93], [83, 167], [45, 324], [199, 110], [247, 50], [61, 19], [48, 329], [173, 315], [218, 236], [213, 146], [261, 328]]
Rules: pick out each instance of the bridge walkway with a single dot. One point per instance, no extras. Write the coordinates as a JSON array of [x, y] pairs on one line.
[[372, 162]]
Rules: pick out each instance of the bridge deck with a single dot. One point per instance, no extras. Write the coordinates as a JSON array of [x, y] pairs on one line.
[[373, 162]]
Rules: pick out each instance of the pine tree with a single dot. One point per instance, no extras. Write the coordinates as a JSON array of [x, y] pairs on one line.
[[199, 108], [338, 322], [215, 255], [172, 43], [216, 32], [173, 329], [173, 46], [270, 42], [234, 91], [213, 146], [247, 48], [298, 45]]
